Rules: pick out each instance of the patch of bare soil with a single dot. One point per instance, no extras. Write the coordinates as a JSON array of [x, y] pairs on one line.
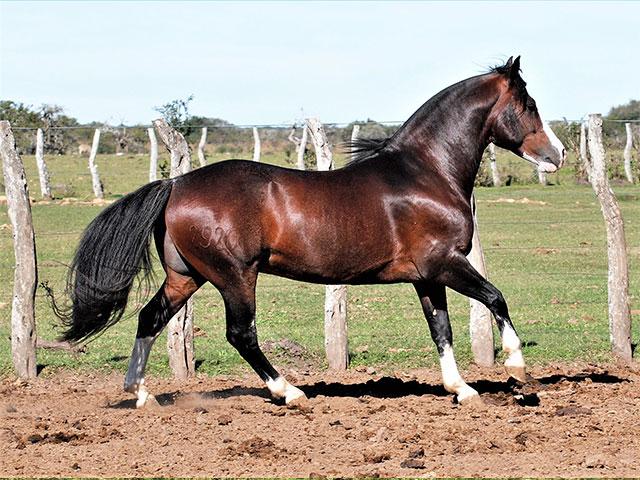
[[575, 420]]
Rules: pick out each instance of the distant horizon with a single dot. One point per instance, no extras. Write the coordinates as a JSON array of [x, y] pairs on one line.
[[388, 123], [274, 63]]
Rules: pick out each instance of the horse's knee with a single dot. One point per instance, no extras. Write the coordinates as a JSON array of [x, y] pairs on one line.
[[233, 338], [242, 338]]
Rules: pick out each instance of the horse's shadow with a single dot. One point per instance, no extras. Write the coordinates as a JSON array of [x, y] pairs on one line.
[[388, 387]]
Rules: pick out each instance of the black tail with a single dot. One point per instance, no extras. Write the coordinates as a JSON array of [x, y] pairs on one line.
[[114, 249]]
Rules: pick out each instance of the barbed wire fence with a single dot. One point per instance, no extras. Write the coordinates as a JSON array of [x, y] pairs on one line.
[[240, 141]]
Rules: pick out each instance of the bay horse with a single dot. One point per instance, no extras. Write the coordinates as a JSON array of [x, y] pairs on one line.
[[399, 212]]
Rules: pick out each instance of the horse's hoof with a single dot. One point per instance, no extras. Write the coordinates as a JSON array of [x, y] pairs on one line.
[[473, 401], [519, 374], [468, 396], [146, 400], [296, 398]]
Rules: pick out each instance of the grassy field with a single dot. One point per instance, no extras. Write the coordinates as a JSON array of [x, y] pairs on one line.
[[545, 249]]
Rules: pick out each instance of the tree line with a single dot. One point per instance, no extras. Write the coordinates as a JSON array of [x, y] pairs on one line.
[[223, 136]]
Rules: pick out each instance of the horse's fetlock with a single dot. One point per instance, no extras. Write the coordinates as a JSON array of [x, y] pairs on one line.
[[132, 386], [453, 386]]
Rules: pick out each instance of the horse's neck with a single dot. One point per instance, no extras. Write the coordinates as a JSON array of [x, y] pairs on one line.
[[448, 134]]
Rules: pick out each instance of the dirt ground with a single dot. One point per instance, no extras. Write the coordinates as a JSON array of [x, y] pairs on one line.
[[579, 420]]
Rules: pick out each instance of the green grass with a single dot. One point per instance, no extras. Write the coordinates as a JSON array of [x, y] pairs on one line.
[[548, 259]]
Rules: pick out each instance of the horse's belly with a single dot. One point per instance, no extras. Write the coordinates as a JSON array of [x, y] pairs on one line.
[[345, 269]]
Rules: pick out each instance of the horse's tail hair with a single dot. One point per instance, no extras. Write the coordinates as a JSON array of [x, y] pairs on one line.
[[113, 251]]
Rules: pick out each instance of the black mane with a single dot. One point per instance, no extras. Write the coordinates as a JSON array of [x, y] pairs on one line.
[[363, 149], [518, 82], [501, 69]]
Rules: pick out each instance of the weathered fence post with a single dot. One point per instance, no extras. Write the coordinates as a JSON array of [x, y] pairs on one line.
[[355, 132], [177, 146], [335, 304], [256, 145], [495, 176], [93, 168], [618, 278], [43, 172], [180, 327], [627, 153], [25, 275], [480, 326], [584, 157], [203, 142], [292, 137], [153, 155], [302, 147], [542, 177]]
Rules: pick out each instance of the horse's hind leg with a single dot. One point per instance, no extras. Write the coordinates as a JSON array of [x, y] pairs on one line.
[[240, 308], [172, 295], [463, 278], [433, 299]]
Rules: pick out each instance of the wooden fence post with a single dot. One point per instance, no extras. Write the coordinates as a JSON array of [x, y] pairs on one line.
[[302, 147], [542, 177], [43, 171], [25, 275], [495, 176], [176, 144], [355, 133], [627, 153], [584, 156], [203, 142], [618, 278], [153, 155], [335, 305], [180, 327], [256, 145], [480, 326], [93, 168]]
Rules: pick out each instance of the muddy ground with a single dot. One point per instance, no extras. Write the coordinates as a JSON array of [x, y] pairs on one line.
[[579, 420]]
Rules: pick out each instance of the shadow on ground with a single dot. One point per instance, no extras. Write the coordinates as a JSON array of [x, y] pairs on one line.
[[391, 387]]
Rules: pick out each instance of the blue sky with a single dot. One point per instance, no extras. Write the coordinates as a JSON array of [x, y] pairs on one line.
[[262, 62]]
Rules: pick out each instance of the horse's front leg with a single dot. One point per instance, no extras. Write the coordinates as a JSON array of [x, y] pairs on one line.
[[463, 278], [433, 299]]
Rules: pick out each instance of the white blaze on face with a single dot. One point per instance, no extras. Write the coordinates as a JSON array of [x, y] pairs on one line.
[[555, 141], [543, 166]]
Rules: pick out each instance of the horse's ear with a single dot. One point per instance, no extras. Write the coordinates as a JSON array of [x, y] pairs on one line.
[[514, 68], [509, 63]]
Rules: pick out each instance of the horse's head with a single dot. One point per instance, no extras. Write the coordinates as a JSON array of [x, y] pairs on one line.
[[517, 125]]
